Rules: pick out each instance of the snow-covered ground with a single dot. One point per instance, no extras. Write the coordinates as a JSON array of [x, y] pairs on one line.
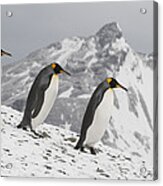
[[22, 154]]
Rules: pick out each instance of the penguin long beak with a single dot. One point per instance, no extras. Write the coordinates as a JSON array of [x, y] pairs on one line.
[[120, 86], [65, 72], [8, 54], [5, 53]]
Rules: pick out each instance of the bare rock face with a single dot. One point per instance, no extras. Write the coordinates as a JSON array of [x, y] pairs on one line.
[[108, 34]]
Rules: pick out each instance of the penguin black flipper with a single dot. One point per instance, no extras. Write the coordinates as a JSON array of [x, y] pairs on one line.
[[40, 97], [39, 104], [26, 121], [95, 100]]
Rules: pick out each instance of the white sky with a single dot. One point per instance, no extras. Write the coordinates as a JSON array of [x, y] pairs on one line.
[[35, 26]]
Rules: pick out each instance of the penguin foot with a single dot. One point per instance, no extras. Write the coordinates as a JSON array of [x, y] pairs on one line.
[[82, 150], [76, 147], [45, 135], [92, 150], [24, 128], [37, 134], [21, 127]]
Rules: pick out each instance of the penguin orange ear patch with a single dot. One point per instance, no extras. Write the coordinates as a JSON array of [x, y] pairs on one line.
[[109, 80], [53, 66]]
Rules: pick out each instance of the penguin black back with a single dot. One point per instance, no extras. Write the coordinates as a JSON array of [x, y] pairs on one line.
[[41, 83], [39, 87]]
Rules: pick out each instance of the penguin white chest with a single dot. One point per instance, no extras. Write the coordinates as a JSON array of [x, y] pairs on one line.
[[101, 119], [49, 99]]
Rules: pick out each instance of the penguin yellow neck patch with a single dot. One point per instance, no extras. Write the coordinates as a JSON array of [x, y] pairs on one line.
[[53, 66], [55, 75], [109, 80]]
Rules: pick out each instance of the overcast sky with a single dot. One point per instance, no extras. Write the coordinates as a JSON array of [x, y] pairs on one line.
[[35, 26]]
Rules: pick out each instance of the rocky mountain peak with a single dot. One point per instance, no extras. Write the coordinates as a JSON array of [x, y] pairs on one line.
[[109, 33], [90, 61]]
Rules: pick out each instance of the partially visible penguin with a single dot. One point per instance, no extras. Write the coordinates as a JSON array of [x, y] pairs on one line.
[[97, 114], [3, 53], [41, 97]]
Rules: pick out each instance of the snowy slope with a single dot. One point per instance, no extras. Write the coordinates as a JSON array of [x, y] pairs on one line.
[[26, 156]]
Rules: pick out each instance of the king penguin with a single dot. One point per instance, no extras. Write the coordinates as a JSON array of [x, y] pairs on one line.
[[97, 114], [41, 97]]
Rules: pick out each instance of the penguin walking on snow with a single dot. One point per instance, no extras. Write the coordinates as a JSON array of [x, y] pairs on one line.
[[97, 114], [41, 97]]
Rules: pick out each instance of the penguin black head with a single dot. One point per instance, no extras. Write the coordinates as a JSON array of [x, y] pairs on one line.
[[58, 69], [113, 83]]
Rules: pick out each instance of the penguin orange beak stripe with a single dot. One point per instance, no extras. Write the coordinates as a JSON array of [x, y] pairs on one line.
[[120, 86]]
